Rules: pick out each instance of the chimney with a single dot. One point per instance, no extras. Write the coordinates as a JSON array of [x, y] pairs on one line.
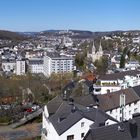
[[133, 128]]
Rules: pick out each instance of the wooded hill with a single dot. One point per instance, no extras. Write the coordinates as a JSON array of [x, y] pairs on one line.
[[11, 35]]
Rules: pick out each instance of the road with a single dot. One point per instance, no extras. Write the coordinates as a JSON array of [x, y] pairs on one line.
[[26, 131]]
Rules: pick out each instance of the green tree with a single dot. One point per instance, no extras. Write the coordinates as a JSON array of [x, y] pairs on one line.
[[101, 65], [122, 61]]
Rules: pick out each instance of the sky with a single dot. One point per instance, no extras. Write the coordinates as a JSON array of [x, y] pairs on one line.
[[93, 15]]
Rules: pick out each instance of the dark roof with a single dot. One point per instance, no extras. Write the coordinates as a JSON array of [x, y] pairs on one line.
[[120, 75], [108, 101], [69, 114], [87, 100], [129, 130], [54, 104], [8, 60], [112, 100], [35, 61], [56, 55], [108, 133], [137, 90]]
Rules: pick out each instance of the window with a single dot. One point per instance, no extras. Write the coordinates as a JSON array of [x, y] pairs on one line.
[[82, 135], [135, 110], [70, 137], [82, 124]]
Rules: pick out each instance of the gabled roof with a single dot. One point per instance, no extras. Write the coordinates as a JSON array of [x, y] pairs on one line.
[[87, 100], [120, 75], [112, 100], [108, 101], [69, 114], [129, 130], [54, 104], [108, 133], [137, 90]]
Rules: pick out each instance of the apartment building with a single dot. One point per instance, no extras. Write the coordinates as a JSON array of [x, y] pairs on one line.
[[36, 65], [20, 67], [55, 63]]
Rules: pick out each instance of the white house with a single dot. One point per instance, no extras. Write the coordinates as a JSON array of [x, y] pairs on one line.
[[116, 81], [71, 121], [132, 65], [110, 103], [136, 40], [8, 65]]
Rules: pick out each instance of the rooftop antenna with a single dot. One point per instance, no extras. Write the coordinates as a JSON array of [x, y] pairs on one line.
[[122, 106]]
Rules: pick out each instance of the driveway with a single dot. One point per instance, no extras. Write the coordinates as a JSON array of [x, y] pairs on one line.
[[26, 131]]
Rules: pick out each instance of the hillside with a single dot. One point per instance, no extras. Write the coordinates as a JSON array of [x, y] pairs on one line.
[[11, 35]]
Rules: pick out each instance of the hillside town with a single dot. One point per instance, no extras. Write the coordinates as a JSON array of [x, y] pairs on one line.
[[72, 80]]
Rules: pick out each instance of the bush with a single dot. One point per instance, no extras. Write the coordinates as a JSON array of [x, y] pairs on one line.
[[4, 119]]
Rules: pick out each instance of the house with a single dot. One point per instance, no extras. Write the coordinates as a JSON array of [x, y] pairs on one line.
[[116, 60], [8, 65], [116, 81], [128, 130], [110, 103], [62, 119], [132, 65]]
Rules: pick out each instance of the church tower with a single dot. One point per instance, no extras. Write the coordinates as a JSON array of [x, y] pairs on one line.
[[93, 48], [100, 49]]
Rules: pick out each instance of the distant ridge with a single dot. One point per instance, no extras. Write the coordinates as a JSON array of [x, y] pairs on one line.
[[11, 35]]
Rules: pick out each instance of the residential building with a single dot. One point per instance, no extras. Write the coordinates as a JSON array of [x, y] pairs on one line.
[[132, 65], [20, 67], [8, 65], [128, 130], [68, 117], [110, 103], [116, 81], [54, 63], [36, 65]]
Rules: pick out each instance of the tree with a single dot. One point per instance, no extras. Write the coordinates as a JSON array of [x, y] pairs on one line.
[[101, 65], [122, 61]]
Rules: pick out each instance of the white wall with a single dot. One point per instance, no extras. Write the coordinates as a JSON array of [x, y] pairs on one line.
[[37, 68], [20, 67], [8, 66], [129, 110], [77, 130], [105, 89]]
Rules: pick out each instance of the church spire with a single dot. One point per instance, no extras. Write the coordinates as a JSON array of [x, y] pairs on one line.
[[100, 47]]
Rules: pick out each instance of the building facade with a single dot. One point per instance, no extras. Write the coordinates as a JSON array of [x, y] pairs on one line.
[[8, 65], [54, 63], [95, 54], [36, 65], [20, 67]]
